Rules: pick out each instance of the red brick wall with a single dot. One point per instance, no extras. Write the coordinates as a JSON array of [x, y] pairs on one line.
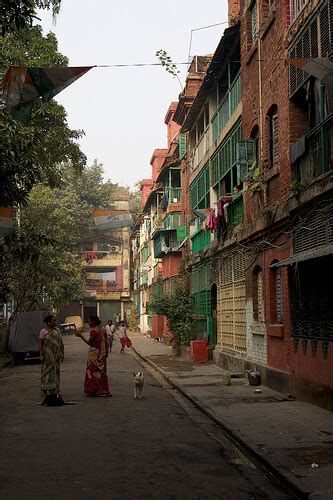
[[265, 62], [156, 161], [173, 127], [146, 186]]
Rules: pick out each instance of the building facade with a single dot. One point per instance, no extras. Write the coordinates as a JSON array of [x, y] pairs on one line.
[[249, 206], [106, 267]]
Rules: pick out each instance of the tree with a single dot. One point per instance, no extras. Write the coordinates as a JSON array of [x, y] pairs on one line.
[[177, 308], [35, 153], [135, 200], [41, 262], [16, 15]]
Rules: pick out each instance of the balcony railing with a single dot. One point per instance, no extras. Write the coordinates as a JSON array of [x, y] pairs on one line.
[[200, 241], [201, 149], [296, 6], [318, 152], [174, 194], [226, 108], [236, 211]]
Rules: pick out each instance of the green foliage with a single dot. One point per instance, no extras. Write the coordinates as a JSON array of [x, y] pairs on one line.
[[41, 263], [297, 187], [16, 15], [167, 63], [177, 308], [38, 152], [135, 200]]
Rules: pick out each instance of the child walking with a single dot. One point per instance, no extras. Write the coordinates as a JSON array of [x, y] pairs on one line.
[[122, 336]]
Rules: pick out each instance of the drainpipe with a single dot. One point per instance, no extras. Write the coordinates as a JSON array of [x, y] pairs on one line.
[[261, 123]]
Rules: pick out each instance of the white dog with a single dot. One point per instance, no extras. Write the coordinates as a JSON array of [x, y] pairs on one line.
[[138, 384]]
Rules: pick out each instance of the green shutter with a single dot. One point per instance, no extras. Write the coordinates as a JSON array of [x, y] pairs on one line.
[[181, 234], [182, 145], [246, 156]]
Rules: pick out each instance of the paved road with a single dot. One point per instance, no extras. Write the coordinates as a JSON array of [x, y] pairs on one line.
[[115, 448]]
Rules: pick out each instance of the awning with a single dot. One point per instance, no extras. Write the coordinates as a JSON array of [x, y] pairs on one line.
[[303, 256], [319, 67]]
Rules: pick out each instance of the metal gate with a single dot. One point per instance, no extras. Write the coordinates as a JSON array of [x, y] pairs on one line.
[[231, 302]]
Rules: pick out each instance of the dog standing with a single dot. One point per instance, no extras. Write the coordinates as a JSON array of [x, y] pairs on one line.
[[138, 384]]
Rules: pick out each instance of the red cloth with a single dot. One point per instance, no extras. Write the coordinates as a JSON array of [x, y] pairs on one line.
[[96, 380]]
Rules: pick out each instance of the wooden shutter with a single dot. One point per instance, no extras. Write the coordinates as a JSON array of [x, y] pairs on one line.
[[182, 146], [275, 139]]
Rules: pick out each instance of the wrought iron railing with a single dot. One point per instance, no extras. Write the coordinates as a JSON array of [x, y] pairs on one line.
[[318, 153]]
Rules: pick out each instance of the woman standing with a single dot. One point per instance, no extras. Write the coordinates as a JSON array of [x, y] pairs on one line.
[[96, 379], [51, 355]]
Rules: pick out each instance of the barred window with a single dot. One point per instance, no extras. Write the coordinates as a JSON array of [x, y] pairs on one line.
[[258, 294], [254, 22], [278, 295]]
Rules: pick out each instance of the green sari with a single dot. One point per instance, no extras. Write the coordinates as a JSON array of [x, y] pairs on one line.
[[50, 369]]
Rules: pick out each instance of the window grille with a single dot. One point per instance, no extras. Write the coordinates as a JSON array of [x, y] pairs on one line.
[[260, 293], [254, 22], [278, 295], [315, 40]]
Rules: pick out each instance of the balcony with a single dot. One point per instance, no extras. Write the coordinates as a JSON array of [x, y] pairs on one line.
[[296, 7], [166, 240], [200, 241], [236, 211], [226, 108], [313, 154], [200, 149], [174, 194], [101, 258]]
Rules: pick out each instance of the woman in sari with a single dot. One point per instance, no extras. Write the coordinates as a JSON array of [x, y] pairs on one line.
[[96, 379], [51, 355]]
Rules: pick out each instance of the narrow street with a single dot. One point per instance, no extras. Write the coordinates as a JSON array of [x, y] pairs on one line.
[[118, 448]]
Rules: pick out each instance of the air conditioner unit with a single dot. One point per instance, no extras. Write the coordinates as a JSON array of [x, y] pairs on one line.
[[114, 248]]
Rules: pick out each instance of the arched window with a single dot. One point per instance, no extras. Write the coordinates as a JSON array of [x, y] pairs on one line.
[[273, 135], [258, 294]]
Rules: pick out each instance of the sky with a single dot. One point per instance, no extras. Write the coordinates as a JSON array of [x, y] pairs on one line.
[[122, 110]]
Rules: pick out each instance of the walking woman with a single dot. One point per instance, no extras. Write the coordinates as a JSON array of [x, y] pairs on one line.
[[96, 379], [51, 355]]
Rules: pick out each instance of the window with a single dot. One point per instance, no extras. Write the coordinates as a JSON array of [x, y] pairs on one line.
[[278, 295], [258, 294], [254, 23], [273, 136]]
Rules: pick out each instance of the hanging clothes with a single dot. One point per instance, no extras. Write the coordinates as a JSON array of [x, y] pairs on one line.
[[222, 219]]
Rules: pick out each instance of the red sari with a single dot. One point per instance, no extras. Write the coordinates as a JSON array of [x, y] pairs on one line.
[[96, 380]]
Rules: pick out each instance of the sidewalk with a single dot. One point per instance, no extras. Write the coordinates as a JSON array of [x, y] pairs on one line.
[[293, 439]]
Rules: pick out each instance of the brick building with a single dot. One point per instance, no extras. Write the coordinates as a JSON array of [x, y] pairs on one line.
[[253, 165], [288, 198]]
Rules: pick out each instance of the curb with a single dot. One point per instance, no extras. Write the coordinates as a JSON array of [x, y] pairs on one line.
[[238, 441]]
